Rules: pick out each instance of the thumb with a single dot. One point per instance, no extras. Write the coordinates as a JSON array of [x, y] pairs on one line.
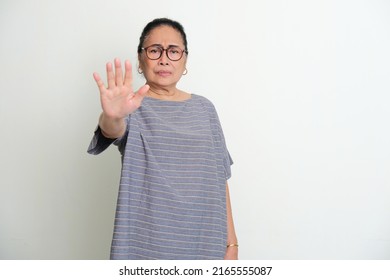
[[143, 90], [140, 94]]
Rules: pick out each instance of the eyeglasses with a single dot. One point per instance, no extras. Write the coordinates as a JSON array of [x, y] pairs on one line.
[[154, 52]]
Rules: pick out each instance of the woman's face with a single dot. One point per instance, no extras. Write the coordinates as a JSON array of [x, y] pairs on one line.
[[163, 72]]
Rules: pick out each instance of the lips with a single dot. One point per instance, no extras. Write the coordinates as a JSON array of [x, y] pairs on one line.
[[164, 73]]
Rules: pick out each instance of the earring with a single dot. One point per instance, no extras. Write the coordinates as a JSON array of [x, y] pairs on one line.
[[185, 72], [140, 70]]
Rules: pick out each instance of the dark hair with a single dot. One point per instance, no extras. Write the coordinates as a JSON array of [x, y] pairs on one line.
[[159, 22]]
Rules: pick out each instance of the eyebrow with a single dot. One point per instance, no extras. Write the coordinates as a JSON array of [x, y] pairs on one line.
[[159, 45]]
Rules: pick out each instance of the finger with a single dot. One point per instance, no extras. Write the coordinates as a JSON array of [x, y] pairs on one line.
[[143, 90], [139, 96], [128, 74], [118, 72], [99, 81], [110, 75]]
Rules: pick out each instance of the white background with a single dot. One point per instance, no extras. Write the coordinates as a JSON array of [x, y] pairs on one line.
[[302, 89]]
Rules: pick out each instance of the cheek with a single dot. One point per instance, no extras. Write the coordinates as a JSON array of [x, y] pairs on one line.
[[147, 67], [180, 66], [143, 65]]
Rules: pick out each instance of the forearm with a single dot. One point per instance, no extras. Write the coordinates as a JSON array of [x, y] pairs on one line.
[[231, 233], [231, 251], [112, 128]]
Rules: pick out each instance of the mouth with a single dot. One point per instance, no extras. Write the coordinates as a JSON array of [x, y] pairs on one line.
[[164, 73]]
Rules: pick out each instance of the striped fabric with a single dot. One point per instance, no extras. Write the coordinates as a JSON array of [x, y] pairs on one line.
[[172, 194]]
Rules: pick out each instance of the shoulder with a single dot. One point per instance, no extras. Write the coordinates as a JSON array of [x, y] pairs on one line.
[[208, 107], [204, 101]]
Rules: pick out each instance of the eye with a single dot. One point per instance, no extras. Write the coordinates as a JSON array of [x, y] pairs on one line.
[[154, 50], [174, 50]]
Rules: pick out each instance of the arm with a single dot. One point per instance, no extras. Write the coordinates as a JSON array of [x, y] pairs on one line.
[[231, 252], [118, 99], [112, 128]]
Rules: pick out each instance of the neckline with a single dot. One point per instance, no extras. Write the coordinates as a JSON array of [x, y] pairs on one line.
[[171, 101]]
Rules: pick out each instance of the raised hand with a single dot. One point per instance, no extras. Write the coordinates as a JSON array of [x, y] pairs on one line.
[[118, 99]]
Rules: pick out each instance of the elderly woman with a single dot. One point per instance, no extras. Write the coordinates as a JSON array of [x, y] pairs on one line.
[[173, 200]]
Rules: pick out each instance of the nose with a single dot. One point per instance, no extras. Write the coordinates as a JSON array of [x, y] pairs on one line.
[[164, 58]]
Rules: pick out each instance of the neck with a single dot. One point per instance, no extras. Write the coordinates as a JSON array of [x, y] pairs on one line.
[[163, 93]]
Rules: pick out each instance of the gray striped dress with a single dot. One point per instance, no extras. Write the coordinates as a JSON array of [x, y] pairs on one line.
[[172, 194]]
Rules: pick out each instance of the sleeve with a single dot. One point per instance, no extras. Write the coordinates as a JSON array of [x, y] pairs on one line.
[[227, 159], [219, 137], [99, 142], [228, 163]]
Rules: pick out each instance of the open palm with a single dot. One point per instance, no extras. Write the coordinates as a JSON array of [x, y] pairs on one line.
[[118, 99]]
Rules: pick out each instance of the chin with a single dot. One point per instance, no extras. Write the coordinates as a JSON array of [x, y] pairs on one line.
[[165, 82]]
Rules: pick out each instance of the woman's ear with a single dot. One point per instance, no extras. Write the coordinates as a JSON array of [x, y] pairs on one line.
[[139, 66]]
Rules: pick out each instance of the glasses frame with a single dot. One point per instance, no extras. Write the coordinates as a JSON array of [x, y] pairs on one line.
[[166, 52]]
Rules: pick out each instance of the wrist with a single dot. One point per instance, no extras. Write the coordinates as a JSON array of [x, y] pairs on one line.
[[232, 245], [112, 127], [110, 119]]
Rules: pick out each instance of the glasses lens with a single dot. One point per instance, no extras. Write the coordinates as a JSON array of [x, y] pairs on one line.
[[154, 52], [174, 53]]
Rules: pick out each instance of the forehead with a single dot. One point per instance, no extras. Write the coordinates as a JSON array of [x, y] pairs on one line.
[[164, 35]]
